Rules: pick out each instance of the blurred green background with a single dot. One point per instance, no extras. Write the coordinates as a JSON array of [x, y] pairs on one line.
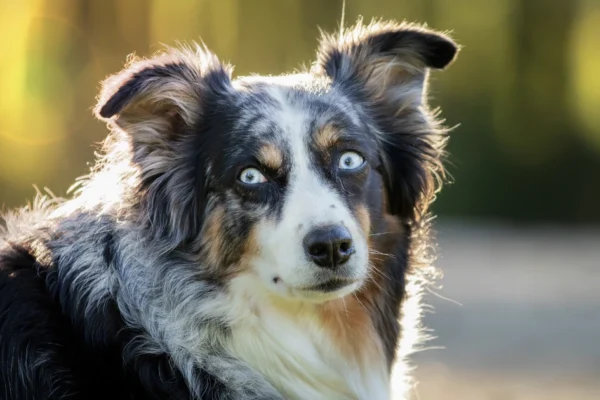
[[518, 232], [525, 89]]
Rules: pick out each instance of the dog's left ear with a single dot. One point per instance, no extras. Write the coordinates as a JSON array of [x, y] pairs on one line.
[[385, 66], [384, 54]]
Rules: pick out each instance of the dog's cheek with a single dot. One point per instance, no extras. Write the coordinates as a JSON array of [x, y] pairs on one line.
[[213, 239], [229, 241], [248, 249]]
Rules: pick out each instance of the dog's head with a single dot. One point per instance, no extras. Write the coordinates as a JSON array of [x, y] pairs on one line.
[[284, 178]]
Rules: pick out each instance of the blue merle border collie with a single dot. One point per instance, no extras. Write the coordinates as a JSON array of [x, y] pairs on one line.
[[256, 238]]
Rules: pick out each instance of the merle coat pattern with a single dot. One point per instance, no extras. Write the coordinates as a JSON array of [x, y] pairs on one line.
[[179, 269]]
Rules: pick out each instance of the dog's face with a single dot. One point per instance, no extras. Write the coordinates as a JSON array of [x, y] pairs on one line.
[[284, 178], [304, 162]]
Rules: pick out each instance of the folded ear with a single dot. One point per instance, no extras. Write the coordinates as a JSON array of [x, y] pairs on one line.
[[384, 65], [164, 89], [158, 104], [383, 56]]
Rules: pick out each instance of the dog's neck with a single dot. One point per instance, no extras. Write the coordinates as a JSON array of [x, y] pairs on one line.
[[307, 350]]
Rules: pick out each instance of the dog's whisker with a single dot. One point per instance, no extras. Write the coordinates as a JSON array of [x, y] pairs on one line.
[[373, 252], [382, 233], [360, 302], [345, 306], [377, 271], [372, 279]]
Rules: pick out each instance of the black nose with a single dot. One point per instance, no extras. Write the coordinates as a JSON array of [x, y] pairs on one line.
[[329, 246]]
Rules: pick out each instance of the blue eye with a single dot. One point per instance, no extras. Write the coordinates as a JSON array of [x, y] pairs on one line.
[[252, 176], [350, 160]]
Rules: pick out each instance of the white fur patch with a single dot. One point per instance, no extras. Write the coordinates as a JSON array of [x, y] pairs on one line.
[[284, 340]]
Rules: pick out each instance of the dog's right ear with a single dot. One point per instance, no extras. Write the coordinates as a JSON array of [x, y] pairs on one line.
[[159, 104]]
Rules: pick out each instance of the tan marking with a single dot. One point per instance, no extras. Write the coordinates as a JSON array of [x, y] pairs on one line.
[[351, 328], [214, 242], [364, 219], [270, 156], [212, 237], [250, 249], [327, 137]]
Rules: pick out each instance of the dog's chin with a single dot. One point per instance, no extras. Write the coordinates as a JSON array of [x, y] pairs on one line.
[[311, 284], [319, 291]]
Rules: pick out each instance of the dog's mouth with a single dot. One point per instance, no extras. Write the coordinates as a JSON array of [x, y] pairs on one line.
[[331, 285]]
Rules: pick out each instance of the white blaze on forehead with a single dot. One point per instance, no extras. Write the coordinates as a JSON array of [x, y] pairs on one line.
[[309, 200]]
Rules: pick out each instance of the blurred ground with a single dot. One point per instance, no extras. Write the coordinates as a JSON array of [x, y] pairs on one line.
[[529, 320]]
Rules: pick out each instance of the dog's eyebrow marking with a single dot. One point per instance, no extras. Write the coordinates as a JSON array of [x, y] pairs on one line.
[[270, 156], [327, 136]]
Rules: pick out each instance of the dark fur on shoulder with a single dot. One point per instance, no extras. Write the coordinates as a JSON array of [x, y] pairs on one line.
[[256, 238]]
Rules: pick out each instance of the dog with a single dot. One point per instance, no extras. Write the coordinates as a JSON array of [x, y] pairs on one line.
[[248, 238]]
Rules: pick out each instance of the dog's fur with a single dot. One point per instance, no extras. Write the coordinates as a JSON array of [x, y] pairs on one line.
[[168, 277]]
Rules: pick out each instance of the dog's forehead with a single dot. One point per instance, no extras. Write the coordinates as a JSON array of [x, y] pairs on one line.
[[276, 108]]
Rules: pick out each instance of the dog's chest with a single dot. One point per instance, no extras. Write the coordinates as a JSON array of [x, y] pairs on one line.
[[298, 354]]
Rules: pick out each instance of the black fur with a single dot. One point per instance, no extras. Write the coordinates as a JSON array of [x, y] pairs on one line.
[[88, 287], [45, 355]]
